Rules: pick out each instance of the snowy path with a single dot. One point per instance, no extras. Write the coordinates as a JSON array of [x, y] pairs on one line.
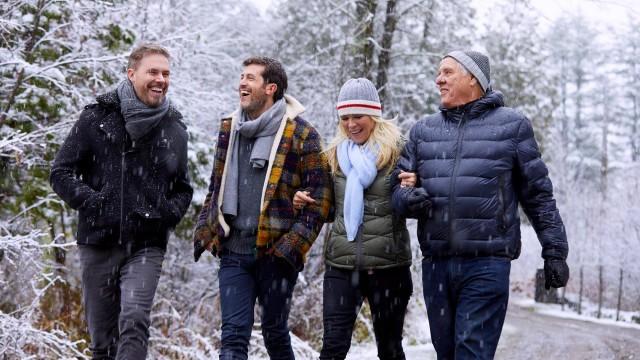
[[531, 335]]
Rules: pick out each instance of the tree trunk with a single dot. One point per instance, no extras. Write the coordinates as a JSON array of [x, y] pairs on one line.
[[600, 292], [426, 30], [384, 59], [363, 52], [619, 305]]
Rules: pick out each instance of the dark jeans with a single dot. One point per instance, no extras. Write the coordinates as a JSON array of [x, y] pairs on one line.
[[242, 279], [387, 292], [118, 289], [466, 301]]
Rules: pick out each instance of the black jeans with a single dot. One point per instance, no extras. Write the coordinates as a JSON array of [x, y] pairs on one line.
[[466, 303], [242, 279], [387, 291], [118, 289]]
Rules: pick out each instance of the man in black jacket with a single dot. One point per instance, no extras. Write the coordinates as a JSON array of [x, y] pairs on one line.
[[123, 166], [477, 160]]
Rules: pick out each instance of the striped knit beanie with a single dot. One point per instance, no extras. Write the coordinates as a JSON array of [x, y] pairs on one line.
[[359, 97], [476, 63]]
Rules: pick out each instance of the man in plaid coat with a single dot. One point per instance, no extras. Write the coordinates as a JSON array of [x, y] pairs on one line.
[[265, 152]]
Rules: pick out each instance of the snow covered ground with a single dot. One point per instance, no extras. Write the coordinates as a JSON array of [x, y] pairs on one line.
[[542, 331], [536, 331]]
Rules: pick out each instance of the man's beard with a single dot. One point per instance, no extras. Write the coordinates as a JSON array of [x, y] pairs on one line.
[[255, 106]]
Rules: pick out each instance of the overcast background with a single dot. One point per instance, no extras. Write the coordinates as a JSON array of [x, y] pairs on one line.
[[572, 67]]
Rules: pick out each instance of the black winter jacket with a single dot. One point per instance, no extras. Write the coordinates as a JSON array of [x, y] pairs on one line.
[[477, 162], [128, 193]]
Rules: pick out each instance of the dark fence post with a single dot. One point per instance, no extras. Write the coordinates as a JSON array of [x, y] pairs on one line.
[[543, 295], [619, 296], [580, 293], [600, 291]]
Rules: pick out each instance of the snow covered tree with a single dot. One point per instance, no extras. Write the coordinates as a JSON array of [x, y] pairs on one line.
[[629, 55], [519, 63]]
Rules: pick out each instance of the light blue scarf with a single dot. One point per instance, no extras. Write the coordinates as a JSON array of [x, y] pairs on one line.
[[358, 164]]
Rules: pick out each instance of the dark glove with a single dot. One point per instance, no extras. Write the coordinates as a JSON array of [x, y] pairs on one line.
[[168, 211], [202, 241], [417, 199], [198, 249], [556, 273]]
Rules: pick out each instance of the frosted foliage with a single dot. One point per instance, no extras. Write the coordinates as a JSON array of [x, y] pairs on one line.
[[577, 82], [26, 278]]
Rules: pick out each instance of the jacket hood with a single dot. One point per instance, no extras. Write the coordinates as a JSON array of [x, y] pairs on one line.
[[294, 108], [491, 100]]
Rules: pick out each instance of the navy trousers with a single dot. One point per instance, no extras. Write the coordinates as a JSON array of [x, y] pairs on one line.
[[242, 280], [466, 301]]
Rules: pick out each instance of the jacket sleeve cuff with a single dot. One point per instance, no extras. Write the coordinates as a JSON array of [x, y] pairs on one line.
[[286, 249]]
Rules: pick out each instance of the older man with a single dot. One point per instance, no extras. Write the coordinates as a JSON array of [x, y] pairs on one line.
[[477, 160], [124, 167]]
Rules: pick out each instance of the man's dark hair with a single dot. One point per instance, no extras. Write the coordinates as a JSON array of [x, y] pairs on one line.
[[145, 49], [273, 73]]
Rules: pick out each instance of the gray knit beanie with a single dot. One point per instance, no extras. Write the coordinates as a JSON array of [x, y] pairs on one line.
[[476, 63], [359, 97]]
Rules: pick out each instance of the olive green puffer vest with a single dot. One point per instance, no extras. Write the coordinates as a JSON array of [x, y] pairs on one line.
[[383, 239]]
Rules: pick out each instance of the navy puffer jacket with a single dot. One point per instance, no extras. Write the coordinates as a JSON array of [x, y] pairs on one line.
[[477, 162]]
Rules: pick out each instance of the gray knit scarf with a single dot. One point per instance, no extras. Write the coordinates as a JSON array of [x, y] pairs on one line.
[[139, 118], [263, 130]]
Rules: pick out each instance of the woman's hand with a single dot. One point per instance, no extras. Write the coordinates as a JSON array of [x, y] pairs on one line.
[[301, 199], [407, 179]]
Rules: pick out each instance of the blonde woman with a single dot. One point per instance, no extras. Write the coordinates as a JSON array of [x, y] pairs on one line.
[[368, 253]]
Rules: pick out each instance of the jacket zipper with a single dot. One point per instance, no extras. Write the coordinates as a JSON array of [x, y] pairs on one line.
[[502, 215], [452, 185], [122, 173], [122, 169], [358, 264]]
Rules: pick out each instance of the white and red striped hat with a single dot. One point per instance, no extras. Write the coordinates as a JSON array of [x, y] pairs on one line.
[[359, 97]]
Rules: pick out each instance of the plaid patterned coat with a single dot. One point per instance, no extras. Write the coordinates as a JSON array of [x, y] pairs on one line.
[[296, 162]]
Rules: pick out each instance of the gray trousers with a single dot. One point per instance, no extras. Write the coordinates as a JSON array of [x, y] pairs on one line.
[[118, 290]]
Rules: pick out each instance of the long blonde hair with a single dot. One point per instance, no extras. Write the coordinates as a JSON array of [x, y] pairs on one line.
[[385, 139]]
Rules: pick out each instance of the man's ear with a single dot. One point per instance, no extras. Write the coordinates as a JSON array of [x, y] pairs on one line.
[[130, 73], [473, 81], [271, 88]]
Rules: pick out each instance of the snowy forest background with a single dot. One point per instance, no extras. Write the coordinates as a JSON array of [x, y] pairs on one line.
[[576, 79]]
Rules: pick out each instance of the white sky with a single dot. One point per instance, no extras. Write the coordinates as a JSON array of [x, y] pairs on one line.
[[261, 4], [602, 12], [610, 12]]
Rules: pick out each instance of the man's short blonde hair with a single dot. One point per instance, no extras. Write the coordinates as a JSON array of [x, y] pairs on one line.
[[143, 50]]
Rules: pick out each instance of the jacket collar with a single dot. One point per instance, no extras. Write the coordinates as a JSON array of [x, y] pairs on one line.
[[109, 100], [491, 100]]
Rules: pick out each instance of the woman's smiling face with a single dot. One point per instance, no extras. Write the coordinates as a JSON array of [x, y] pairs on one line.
[[357, 127]]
